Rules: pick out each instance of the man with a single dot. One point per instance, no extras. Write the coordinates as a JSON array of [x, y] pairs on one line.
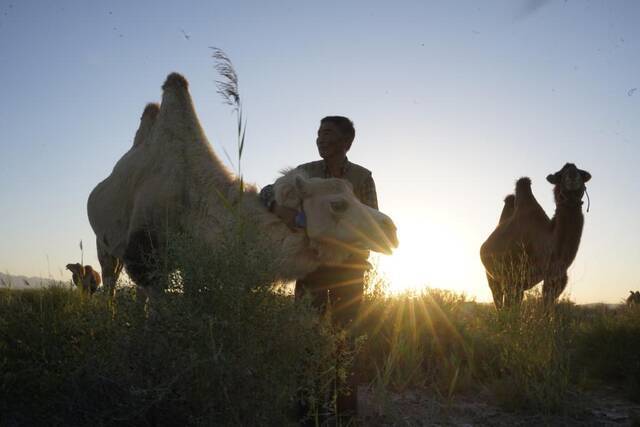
[[342, 285]]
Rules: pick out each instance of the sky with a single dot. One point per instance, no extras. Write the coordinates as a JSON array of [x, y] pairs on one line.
[[452, 102]]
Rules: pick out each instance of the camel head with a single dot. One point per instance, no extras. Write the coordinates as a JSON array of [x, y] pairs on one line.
[[337, 223], [569, 184], [76, 269]]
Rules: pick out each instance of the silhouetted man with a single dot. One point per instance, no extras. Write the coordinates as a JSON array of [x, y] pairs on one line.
[[342, 285]]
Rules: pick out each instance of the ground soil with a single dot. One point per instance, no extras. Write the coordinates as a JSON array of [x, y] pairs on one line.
[[605, 406]]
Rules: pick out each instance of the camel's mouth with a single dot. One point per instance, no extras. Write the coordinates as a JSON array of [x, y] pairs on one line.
[[388, 248], [384, 239], [574, 185], [380, 248]]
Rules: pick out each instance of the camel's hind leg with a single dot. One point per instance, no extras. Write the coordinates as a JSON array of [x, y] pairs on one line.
[[497, 291], [553, 287], [111, 268]]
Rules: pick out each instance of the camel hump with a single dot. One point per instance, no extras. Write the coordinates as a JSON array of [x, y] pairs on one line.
[[175, 80], [523, 184], [524, 196], [146, 123], [151, 111], [510, 199]]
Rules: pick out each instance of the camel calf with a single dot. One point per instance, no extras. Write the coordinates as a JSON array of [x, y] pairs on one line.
[[84, 277], [633, 298]]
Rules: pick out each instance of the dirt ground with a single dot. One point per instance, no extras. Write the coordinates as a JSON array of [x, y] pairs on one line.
[[604, 407]]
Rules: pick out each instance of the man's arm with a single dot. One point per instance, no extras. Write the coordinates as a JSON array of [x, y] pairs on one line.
[[367, 193]]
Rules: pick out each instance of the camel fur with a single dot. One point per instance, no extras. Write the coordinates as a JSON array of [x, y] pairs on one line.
[[528, 247], [171, 181]]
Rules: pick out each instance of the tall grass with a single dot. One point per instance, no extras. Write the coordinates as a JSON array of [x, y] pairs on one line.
[[229, 90], [227, 348], [527, 358], [230, 350]]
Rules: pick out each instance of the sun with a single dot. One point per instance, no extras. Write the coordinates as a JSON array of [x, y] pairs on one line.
[[430, 254]]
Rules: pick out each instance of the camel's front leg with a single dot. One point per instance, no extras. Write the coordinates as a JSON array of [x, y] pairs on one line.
[[497, 291], [513, 295], [553, 287], [111, 268]]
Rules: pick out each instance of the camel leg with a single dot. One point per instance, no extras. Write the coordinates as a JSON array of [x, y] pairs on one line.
[[497, 291], [518, 296], [111, 268], [143, 270], [513, 295], [509, 296], [138, 258], [145, 299], [553, 287]]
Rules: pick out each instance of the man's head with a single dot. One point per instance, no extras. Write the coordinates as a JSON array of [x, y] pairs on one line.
[[335, 135]]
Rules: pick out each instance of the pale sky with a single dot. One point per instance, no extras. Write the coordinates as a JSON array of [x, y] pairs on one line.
[[452, 102]]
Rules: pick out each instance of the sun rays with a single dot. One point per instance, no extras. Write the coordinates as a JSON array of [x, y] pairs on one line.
[[431, 254]]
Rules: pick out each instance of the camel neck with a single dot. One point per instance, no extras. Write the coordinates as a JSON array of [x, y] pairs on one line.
[[567, 229], [292, 257]]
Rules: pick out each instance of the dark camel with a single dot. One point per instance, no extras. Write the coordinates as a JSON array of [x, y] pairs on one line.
[[527, 247], [84, 277], [633, 298]]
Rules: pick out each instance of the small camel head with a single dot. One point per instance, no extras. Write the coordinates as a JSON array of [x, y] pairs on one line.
[[569, 183], [634, 297], [76, 268], [570, 177]]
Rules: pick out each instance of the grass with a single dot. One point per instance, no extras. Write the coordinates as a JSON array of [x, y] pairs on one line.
[[529, 359], [66, 360], [229, 354]]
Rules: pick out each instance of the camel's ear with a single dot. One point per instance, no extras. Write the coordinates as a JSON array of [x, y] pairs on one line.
[[554, 178], [302, 187], [586, 176]]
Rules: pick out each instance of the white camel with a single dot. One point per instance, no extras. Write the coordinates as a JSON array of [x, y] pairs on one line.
[[171, 181]]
